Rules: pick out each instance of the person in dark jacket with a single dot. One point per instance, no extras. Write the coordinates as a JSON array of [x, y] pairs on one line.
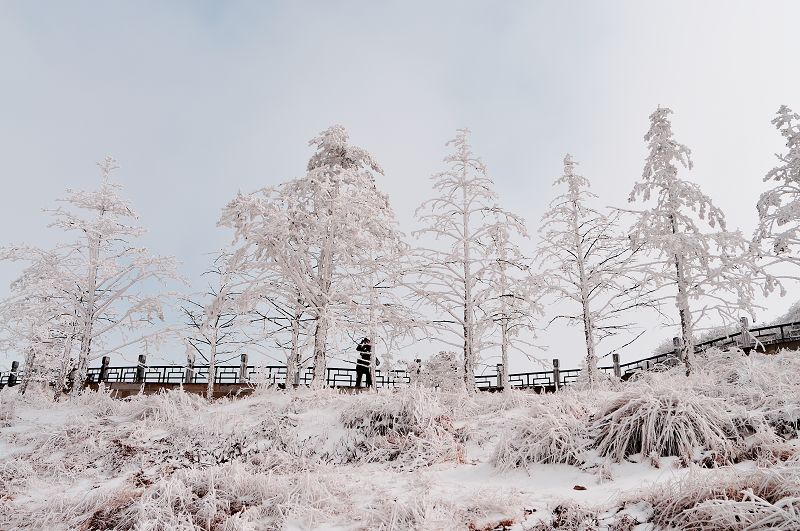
[[364, 360]]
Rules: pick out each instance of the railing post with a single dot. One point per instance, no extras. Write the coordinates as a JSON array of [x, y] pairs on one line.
[[500, 380], [617, 370], [676, 348], [188, 373], [140, 368], [557, 373], [243, 369], [103, 376], [12, 377], [747, 339]]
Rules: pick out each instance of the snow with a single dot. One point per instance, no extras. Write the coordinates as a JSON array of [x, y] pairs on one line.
[[405, 459]]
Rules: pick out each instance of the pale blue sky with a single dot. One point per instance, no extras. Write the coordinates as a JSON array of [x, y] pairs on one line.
[[200, 99]]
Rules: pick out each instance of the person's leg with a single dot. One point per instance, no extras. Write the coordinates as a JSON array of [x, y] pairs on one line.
[[359, 373], [369, 378]]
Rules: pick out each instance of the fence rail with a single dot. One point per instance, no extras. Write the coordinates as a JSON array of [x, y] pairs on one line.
[[346, 377]]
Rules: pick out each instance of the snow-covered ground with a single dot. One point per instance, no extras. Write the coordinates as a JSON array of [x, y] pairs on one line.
[[663, 450]]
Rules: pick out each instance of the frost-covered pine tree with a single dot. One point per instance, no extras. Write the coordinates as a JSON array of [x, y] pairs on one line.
[[115, 304], [452, 276], [588, 264], [777, 234], [702, 267], [314, 230]]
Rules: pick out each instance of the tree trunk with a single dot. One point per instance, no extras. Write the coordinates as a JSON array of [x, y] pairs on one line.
[[324, 278], [469, 340], [591, 357], [320, 337], [372, 331], [687, 332], [588, 324], [293, 362], [682, 303], [88, 316], [212, 368], [61, 380], [504, 318], [27, 371], [504, 357]]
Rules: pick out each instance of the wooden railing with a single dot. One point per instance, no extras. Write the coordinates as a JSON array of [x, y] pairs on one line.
[[346, 377]]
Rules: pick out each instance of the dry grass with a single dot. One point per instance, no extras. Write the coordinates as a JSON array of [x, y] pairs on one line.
[[546, 438], [664, 422], [763, 498]]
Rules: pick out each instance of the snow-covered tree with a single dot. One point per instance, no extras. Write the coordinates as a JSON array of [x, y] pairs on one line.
[[516, 290], [316, 229], [442, 370], [274, 314], [703, 270], [214, 320], [111, 280], [278, 314], [380, 306], [777, 235], [464, 216], [38, 318], [588, 265]]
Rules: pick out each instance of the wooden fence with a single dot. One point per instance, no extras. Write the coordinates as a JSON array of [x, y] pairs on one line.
[[244, 374]]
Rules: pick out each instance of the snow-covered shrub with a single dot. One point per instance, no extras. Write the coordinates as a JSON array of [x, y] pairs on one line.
[[577, 403], [547, 438], [232, 497], [764, 385], [599, 381], [486, 509], [479, 404], [749, 512], [169, 406], [765, 448], [663, 422], [100, 403], [409, 427], [400, 413], [444, 370], [762, 498]]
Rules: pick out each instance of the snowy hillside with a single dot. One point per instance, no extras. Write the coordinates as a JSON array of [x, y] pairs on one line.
[[717, 450]]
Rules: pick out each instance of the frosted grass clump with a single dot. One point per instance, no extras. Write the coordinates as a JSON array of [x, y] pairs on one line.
[[401, 413], [548, 438], [763, 385], [762, 498], [234, 498], [409, 428], [168, 407], [663, 422]]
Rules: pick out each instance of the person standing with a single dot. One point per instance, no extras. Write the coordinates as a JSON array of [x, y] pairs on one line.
[[364, 361]]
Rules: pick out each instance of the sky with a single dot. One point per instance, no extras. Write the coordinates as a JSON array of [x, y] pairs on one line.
[[198, 100]]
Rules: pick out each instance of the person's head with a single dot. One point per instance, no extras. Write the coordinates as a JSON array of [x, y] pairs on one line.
[[365, 340]]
